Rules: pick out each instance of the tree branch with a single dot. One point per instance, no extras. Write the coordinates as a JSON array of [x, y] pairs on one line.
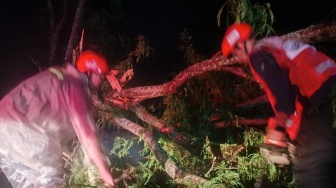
[[175, 172]]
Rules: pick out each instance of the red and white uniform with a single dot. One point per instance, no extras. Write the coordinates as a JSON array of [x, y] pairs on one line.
[[295, 63], [37, 119]]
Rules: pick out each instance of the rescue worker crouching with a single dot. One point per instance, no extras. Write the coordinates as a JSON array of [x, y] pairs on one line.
[[303, 116], [42, 114]]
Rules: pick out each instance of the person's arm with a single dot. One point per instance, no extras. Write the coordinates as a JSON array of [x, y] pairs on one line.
[[82, 119], [92, 147], [275, 81]]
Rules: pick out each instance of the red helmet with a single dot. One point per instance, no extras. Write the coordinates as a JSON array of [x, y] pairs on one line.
[[91, 61], [237, 32]]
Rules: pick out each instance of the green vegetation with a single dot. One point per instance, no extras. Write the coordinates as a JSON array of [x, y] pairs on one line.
[[188, 112]]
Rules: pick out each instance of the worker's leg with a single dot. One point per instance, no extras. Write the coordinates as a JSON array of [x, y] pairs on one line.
[[315, 161]]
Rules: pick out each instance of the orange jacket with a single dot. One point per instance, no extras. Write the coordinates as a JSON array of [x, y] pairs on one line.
[[280, 64]]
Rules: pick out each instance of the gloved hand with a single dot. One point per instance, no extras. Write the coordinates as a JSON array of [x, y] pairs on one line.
[[273, 135], [290, 122], [275, 147]]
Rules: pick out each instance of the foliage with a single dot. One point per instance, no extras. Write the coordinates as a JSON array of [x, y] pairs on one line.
[[122, 146], [103, 31], [145, 169], [259, 16], [81, 175], [188, 112]]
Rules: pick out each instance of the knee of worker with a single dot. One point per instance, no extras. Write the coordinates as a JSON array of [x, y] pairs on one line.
[[317, 134], [315, 169], [319, 177], [313, 152]]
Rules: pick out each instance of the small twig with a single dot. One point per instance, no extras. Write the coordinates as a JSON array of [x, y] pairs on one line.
[[212, 166], [68, 156], [125, 175]]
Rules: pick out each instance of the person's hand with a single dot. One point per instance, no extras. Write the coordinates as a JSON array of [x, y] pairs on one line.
[[107, 179], [276, 137], [273, 135]]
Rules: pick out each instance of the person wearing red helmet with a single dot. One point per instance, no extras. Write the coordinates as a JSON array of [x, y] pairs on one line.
[[42, 114], [299, 82]]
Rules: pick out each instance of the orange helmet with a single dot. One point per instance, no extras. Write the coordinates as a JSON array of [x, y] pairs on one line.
[[237, 32], [91, 61]]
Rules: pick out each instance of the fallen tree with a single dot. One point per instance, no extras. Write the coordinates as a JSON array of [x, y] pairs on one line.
[[123, 107], [130, 100]]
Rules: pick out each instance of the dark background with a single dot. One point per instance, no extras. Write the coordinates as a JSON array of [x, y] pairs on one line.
[[24, 30]]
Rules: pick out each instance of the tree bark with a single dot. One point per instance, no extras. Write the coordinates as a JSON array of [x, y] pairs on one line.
[[75, 32], [217, 62], [55, 31], [314, 33]]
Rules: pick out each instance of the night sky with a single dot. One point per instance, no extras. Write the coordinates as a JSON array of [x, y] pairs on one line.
[[24, 28]]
